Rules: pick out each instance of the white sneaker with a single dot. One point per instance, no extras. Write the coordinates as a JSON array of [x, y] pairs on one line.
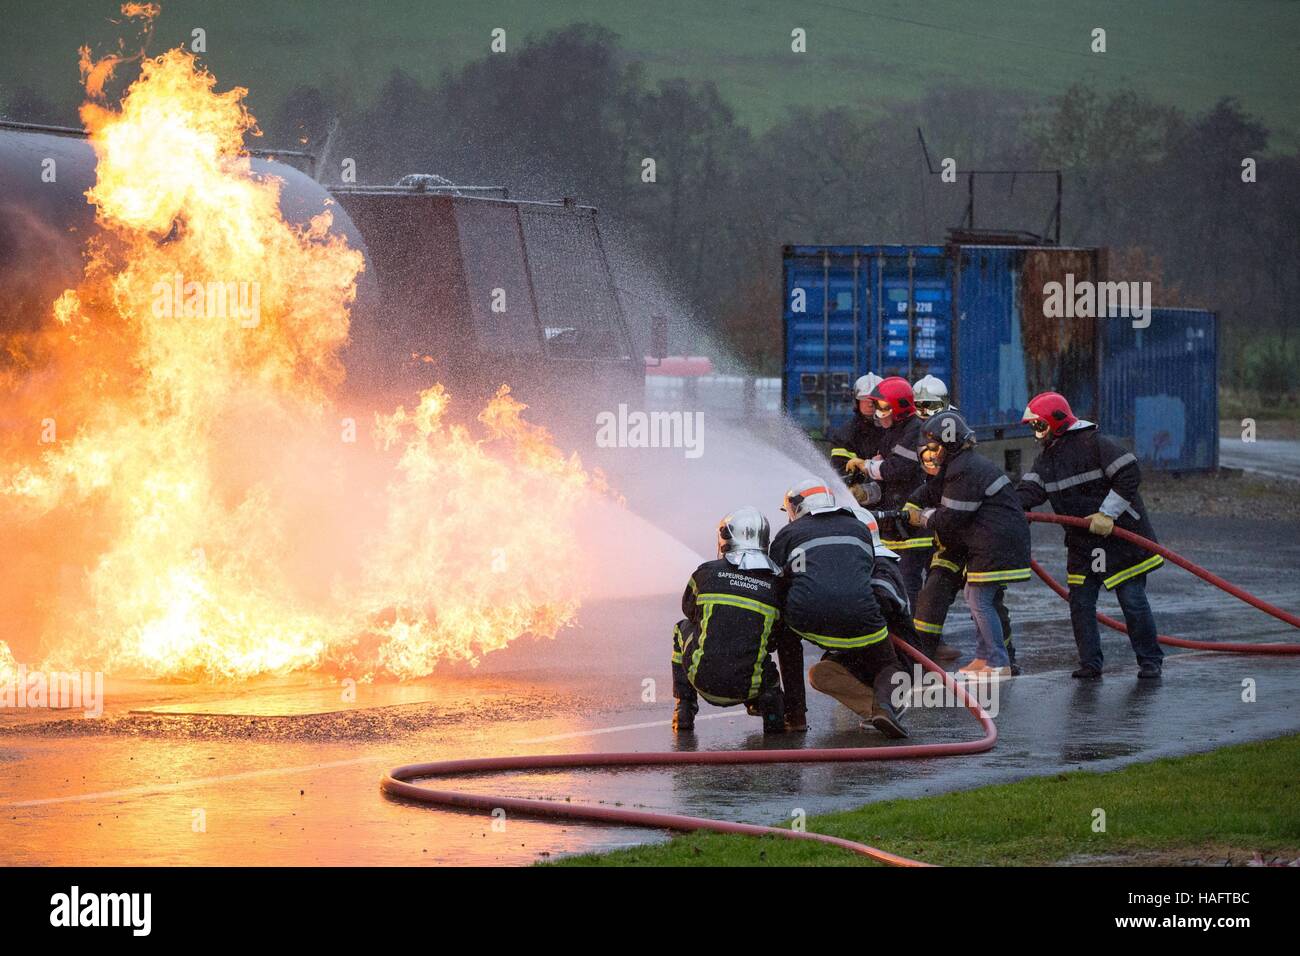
[[985, 673]]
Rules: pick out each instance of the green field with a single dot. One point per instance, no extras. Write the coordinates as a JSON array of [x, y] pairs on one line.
[[1188, 53], [1226, 804]]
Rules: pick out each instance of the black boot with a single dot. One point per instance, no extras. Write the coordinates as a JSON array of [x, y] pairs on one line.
[[944, 653], [771, 704], [885, 719], [1149, 670], [688, 701], [684, 716]]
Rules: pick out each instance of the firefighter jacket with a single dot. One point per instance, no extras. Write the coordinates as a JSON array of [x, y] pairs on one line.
[[728, 632], [1081, 473], [826, 562], [900, 473], [977, 519], [859, 437]]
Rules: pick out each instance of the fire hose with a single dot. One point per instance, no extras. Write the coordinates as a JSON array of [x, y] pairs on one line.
[[398, 782], [1200, 572]]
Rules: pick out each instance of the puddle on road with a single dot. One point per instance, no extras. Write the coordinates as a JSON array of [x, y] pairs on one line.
[[1085, 753]]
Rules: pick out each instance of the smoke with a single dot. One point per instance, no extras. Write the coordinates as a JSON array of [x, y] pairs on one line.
[[741, 462]]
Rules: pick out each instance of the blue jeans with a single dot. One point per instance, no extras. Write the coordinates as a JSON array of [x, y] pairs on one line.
[[982, 599], [1132, 595]]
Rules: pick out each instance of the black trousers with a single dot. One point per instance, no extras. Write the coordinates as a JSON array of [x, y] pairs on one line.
[[769, 689], [912, 563], [874, 665], [789, 656]]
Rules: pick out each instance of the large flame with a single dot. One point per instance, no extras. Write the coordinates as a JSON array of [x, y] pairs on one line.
[[201, 505]]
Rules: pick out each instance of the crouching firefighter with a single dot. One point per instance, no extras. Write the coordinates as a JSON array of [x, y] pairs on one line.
[[971, 507], [827, 560], [1084, 474], [722, 648]]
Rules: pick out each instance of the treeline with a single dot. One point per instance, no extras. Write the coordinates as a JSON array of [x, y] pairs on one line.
[[569, 114]]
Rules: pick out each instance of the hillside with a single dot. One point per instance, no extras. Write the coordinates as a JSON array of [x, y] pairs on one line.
[[1186, 54]]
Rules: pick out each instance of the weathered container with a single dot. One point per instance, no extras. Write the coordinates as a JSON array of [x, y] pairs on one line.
[[1007, 349]]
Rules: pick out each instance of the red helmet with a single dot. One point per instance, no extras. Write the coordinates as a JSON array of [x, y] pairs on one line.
[[898, 393], [1052, 408]]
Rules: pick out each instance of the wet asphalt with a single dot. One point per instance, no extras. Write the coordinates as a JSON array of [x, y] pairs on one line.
[[287, 772], [1270, 457]]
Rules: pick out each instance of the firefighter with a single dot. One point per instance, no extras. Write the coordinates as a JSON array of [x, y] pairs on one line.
[[854, 443], [898, 471], [931, 396], [1082, 473], [827, 559], [972, 508], [722, 647], [944, 579]]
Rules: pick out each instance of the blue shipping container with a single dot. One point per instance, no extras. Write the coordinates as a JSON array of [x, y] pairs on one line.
[[974, 316]]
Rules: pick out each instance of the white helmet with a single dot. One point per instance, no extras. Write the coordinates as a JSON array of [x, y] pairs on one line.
[[863, 386], [931, 396], [743, 538], [868, 519], [808, 497]]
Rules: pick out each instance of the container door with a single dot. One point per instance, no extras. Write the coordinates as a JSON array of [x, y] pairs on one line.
[[1159, 388], [822, 344], [1009, 348], [914, 313], [990, 385]]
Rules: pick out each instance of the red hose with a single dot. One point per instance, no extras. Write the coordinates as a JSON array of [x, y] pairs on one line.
[[1200, 572], [397, 782]]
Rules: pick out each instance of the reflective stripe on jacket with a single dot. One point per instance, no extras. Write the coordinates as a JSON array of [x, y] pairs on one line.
[[732, 614], [978, 516], [826, 563], [1081, 473]]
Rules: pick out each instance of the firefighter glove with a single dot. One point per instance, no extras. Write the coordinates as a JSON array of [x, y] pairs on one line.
[[1101, 524]]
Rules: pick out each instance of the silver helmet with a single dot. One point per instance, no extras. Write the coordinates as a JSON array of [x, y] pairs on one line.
[[809, 496], [743, 538], [863, 386], [931, 396]]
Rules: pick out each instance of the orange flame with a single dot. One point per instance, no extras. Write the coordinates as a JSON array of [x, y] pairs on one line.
[[95, 74], [215, 524]]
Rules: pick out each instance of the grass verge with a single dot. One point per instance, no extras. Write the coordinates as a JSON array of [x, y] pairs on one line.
[[1223, 805]]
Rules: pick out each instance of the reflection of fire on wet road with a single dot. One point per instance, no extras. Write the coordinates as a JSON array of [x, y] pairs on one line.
[[199, 507], [279, 781]]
